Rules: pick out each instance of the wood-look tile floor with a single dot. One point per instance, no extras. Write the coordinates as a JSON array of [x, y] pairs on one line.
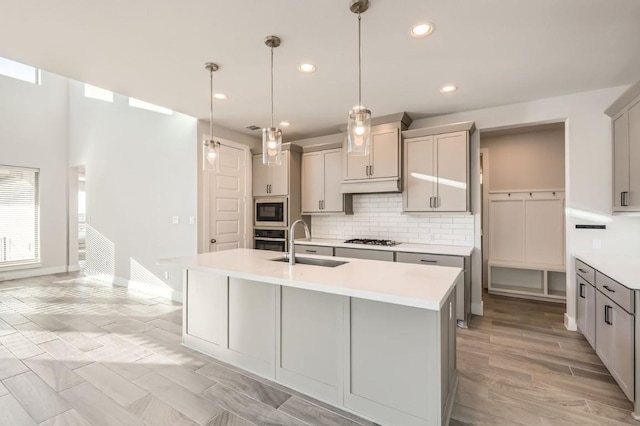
[[78, 352]]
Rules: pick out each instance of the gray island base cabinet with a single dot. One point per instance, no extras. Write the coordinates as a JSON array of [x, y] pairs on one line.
[[390, 363]]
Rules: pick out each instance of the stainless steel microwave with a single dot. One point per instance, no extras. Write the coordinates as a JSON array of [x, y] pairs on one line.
[[271, 211]]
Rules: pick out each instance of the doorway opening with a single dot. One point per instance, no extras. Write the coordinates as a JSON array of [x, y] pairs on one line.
[[523, 212]]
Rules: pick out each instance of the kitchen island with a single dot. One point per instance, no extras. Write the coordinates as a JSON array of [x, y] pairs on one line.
[[373, 338]]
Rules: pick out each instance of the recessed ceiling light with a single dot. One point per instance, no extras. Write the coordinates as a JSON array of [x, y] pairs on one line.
[[448, 88], [307, 68], [221, 96], [285, 123], [422, 30]]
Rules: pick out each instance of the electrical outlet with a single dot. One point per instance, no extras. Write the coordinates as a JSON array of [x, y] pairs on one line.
[[175, 220], [192, 220], [166, 275]]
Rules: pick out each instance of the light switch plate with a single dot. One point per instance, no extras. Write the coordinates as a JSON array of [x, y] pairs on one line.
[[175, 220], [596, 244], [192, 220]]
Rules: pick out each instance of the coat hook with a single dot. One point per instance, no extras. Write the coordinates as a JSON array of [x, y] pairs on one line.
[[509, 194], [554, 193], [530, 194]]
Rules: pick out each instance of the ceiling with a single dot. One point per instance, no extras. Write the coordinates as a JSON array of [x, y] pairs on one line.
[[497, 52]]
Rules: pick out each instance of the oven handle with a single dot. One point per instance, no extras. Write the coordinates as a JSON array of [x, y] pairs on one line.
[[269, 239]]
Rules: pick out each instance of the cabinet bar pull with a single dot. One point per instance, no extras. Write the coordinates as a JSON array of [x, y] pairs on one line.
[[322, 204], [608, 288], [582, 270], [581, 290], [370, 170], [431, 202], [624, 198], [428, 261], [311, 251], [606, 314]]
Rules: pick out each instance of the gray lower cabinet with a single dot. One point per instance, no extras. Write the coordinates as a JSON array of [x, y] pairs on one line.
[[463, 298], [364, 254], [309, 249], [606, 317], [615, 342], [586, 310]]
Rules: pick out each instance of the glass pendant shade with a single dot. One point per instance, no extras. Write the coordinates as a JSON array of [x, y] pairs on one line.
[[359, 131], [271, 146], [211, 154]]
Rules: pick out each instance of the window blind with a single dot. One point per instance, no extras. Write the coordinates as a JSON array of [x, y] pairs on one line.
[[19, 215]]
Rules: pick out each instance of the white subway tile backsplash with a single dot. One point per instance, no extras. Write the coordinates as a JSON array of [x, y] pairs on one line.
[[380, 216]]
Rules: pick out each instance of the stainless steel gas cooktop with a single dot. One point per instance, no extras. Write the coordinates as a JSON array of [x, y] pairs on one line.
[[372, 242]]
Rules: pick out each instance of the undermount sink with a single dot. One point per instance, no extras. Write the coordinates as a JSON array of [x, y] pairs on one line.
[[312, 261]]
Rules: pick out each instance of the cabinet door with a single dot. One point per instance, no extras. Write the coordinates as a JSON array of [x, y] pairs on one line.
[[385, 150], [333, 198], [260, 177], [206, 306], [544, 233], [589, 329], [451, 169], [279, 176], [623, 348], [420, 175], [312, 182], [355, 166], [506, 230], [582, 306], [604, 331], [620, 160], [634, 156]]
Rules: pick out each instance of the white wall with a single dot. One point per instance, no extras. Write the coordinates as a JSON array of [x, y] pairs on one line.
[[141, 170], [380, 216], [34, 133], [529, 159], [588, 169]]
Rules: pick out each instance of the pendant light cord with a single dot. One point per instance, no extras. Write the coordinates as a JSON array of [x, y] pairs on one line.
[[271, 87], [211, 108], [359, 60]]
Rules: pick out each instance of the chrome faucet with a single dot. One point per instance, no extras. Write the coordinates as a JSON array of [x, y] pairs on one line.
[[292, 246]]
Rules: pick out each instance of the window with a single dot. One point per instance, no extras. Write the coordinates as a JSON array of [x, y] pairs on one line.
[[97, 93], [19, 216], [137, 103], [20, 71]]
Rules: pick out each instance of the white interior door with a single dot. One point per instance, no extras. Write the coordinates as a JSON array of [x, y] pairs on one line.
[[227, 192]]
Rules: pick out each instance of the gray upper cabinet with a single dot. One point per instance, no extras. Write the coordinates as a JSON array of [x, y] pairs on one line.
[[383, 160], [625, 115], [271, 180], [321, 179], [436, 169]]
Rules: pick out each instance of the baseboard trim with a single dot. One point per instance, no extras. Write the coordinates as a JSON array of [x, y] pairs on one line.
[[570, 323], [151, 289], [30, 273], [477, 308]]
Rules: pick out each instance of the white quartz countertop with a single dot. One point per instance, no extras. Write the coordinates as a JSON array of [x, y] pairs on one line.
[[623, 268], [402, 247], [419, 286]]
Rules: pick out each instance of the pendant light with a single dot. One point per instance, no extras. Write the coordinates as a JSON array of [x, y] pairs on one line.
[[212, 148], [359, 123], [271, 136]]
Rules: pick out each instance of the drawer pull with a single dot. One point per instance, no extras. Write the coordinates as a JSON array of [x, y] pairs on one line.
[[311, 251], [582, 270], [428, 261], [608, 288]]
